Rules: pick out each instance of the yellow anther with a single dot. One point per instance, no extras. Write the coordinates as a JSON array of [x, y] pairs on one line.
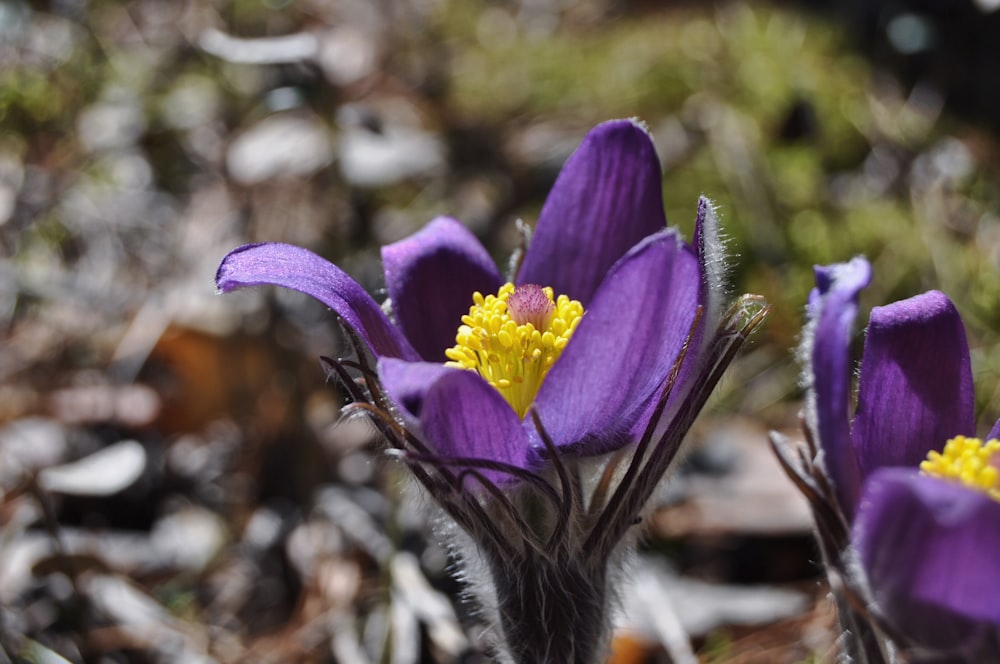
[[967, 460], [514, 343]]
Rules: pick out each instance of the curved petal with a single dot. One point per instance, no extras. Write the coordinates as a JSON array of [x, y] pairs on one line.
[[929, 548], [915, 390], [607, 198], [299, 269], [407, 383], [995, 431], [710, 251], [431, 277], [833, 306], [459, 413], [624, 348]]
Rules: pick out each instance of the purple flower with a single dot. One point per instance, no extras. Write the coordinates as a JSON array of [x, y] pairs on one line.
[[601, 239], [924, 518], [608, 338]]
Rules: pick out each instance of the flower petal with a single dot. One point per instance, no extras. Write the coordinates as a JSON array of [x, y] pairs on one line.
[[299, 269], [915, 390], [995, 431], [431, 277], [624, 348], [407, 383], [929, 548], [460, 414], [710, 252], [607, 198], [833, 306]]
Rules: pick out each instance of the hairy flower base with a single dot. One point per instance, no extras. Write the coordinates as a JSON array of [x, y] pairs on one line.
[[970, 461], [513, 338], [553, 609]]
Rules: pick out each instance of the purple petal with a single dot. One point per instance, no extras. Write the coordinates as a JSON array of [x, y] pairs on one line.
[[407, 383], [607, 198], [929, 548], [460, 414], [833, 306], [915, 390], [622, 352], [301, 270], [994, 432], [431, 277], [708, 248]]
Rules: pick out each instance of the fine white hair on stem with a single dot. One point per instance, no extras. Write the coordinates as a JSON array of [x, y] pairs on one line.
[[803, 354], [712, 248]]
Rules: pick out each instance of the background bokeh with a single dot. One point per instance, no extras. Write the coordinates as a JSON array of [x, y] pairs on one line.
[[175, 482]]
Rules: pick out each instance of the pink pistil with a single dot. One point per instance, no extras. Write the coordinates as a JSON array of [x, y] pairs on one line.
[[529, 304]]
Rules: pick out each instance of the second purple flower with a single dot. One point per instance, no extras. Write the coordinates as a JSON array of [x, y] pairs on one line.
[[906, 501]]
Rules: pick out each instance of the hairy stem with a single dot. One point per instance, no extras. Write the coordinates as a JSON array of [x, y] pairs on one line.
[[553, 610]]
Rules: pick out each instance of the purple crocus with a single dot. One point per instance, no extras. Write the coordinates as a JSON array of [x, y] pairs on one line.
[[907, 507], [501, 394]]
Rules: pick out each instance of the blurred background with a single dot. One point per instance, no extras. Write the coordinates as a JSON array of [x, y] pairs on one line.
[[174, 484]]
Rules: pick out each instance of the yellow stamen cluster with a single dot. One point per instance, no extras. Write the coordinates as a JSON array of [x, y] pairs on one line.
[[511, 354], [970, 461]]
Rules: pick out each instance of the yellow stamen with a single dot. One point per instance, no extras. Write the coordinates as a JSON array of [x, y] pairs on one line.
[[499, 339], [970, 461]]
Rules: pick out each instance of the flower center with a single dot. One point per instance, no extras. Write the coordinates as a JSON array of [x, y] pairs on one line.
[[970, 461], [513, 338]]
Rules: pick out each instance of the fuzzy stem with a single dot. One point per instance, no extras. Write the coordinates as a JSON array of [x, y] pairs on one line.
[[553, 610]]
